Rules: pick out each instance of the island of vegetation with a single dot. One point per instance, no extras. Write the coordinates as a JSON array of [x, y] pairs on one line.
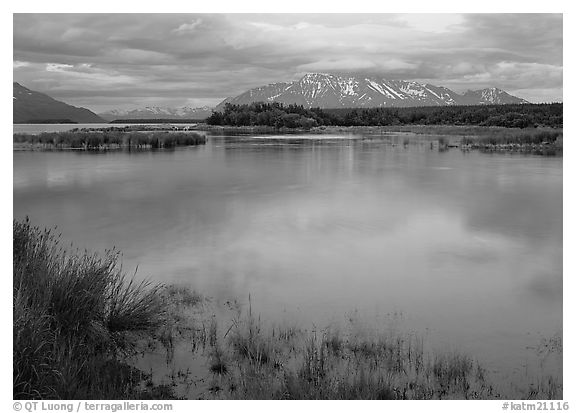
[[107, 139], [79, 323], [278, 115], [533, 128]]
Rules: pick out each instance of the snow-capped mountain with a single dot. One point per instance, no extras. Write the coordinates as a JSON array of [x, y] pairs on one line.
[[332, 91], [489, 96], [156, 112]]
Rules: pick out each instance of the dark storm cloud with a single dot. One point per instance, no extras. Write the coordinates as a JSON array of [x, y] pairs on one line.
[[126, 60]]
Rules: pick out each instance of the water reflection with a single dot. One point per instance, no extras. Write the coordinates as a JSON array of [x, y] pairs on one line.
[[468, 245]]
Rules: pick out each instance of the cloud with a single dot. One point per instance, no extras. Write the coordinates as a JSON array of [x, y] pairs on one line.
[[358, 64], [16, 64], [437, 23], [186, 28], [178, 58], [546, 95], [57, 67], [338, 65]]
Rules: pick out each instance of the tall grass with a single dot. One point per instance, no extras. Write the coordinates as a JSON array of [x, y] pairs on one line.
[[75, 316], [517, 137], [249, 361], [110, 139], [470, 134], [463, 130], [77, 320]]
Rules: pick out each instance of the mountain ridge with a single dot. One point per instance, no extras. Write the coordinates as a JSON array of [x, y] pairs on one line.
[[328, 91], [30, 106], [158, 112]]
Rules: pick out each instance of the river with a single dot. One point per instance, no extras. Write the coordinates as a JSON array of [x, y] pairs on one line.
[[466, 246]]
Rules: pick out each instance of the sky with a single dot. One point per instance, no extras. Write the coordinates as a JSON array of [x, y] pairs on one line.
[[124, 61]]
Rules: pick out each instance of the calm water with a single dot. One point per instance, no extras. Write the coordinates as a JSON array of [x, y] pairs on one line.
[[37, 128], [466, 246]]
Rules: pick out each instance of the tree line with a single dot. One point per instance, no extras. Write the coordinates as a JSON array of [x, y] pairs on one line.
[[296, 116]]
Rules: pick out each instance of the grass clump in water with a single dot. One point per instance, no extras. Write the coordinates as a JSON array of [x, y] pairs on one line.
[[76, 317], [110, 139], [248, 342], [263, 364]]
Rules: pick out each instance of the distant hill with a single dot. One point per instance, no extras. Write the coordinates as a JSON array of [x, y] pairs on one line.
[[156, 112], [157, 121], [35, 107], [327, 91]]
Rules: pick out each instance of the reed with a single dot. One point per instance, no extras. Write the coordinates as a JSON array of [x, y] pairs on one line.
[[516, 137], [332, 364], [76, 317], [110, 139], [78, 320]]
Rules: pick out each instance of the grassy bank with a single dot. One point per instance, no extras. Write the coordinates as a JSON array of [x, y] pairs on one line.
[[546, 141], [79, 323], [258, 129], [76, 319], [471, 131], [516, 139], [449, 130], [109, 139], [470, 134]]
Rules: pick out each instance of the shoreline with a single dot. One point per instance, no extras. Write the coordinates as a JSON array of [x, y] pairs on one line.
[[541, 141], [106, 140], [242, 356], [459, 130]]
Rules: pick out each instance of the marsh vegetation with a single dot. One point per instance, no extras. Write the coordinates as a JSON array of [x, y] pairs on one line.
[[523, 140], [77, 318], [109, 139], [79, 321]]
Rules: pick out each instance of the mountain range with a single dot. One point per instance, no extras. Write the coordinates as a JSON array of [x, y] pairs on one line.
[[321, 90], [329, 91], [156, 112], [35, 107]]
